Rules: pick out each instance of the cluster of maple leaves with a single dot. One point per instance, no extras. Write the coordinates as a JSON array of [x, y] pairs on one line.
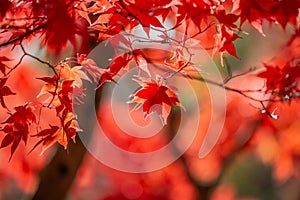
[[81, 22], [282, 75]]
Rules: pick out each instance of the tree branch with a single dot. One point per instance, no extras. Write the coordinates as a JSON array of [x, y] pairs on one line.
[[23, 36]]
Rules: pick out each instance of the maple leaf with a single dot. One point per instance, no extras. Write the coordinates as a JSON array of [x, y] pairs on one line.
[[253, 12], [155, 97], [23, 115], [83, 11], [113, 69], [63, 92], [2, 65], [47, 136], [5, 6], [49, 80], [282, 81], [17, 127], [112, 21], [89, 66], [61, 25], [179, 64], [287, 11], [75, 73], [61, 135], [12, 35], [256, 11], [197, 11], [144, 11], [227, 19], [51, 87], [141, 60], [65, 95], [12, 137], [224, 42], [4, 91]]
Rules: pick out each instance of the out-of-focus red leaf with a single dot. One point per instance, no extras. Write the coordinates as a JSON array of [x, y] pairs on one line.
[[5, 5], [224, 192], [7, 140], [14, 133], [24, 114], [4, 91], [50, 80], [2, 65], [256, 11], [17, 127], [46, 134], [15, 144], [283, 81], [61, 25]]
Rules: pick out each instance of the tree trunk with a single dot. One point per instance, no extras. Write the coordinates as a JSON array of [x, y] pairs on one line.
[[57, 177]]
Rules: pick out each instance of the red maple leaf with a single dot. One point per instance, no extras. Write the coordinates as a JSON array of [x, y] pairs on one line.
[[145, 11], [4, 91], [48, 135], [228, 37], [255, 11], [227, 20], [197, 11], [282, 82], [17, 127], [117, 64], [23, 115], [61, 91], [287, 11], [61, 25], [12, 137], [65, 95], [155, 97], [89, 66], [49, 80], [62, 135], [2, 65], [224, 42], [112, 21]]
